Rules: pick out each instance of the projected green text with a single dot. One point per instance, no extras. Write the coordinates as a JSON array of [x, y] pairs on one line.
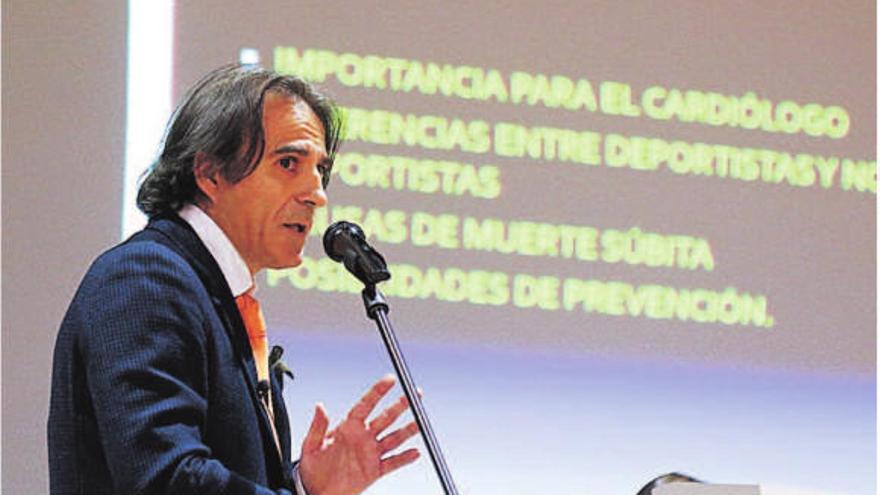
[[509, 140], [486, 287], [403, 173], [513, 142], [631, 246], [747, 111]]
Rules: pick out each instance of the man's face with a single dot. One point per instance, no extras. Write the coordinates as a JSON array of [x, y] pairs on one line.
[[268, 214]]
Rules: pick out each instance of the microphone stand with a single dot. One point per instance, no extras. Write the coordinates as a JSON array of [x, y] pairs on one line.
[[377, 310]]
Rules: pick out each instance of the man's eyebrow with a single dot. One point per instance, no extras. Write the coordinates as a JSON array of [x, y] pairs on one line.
[[302, 151], [291, 148]]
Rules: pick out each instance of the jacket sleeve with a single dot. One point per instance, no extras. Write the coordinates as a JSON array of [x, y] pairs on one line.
[[144, 353]]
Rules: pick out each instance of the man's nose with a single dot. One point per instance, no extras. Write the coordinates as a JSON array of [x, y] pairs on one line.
[[317, 199], [314, 193]]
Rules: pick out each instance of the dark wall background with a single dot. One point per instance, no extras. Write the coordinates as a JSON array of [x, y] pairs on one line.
[[63, 103]]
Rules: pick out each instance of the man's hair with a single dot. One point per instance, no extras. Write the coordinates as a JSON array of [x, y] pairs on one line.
[[665, 479], [222, 118]]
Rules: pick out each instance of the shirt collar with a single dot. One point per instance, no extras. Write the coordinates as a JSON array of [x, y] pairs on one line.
[[233, 267]]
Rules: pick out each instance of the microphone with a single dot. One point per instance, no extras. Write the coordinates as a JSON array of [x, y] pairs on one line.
[[263, 391], [345, 242]]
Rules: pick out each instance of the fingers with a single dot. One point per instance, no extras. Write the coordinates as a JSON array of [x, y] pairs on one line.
[[318, 429], [396, 438], [396, 461], [389, 416], [368, 402]]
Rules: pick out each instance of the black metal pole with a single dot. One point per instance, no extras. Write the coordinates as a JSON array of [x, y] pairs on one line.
[[377, 310]]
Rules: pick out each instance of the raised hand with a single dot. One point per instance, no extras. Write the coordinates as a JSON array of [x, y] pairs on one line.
[[349, 458]]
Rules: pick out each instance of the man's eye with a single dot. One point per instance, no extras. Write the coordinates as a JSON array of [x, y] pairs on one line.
[[287, 162]]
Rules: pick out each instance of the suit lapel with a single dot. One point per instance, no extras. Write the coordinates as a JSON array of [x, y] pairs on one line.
[[185, 241]]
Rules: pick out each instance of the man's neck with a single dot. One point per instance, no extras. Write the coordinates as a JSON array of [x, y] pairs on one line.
[[237, 273]]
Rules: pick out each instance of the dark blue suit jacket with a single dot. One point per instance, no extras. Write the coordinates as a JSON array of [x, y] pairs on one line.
[[154, 383]]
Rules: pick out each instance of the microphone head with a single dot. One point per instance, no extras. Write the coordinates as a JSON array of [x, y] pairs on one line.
[[339, 230], [345, 242]]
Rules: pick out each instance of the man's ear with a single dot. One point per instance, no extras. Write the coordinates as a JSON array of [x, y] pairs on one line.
[[206, 175]]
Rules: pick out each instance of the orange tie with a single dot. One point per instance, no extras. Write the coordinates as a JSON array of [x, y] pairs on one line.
[[256, 329], [252, 316]]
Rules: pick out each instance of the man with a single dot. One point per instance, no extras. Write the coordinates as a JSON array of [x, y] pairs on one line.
[[161, 380]]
